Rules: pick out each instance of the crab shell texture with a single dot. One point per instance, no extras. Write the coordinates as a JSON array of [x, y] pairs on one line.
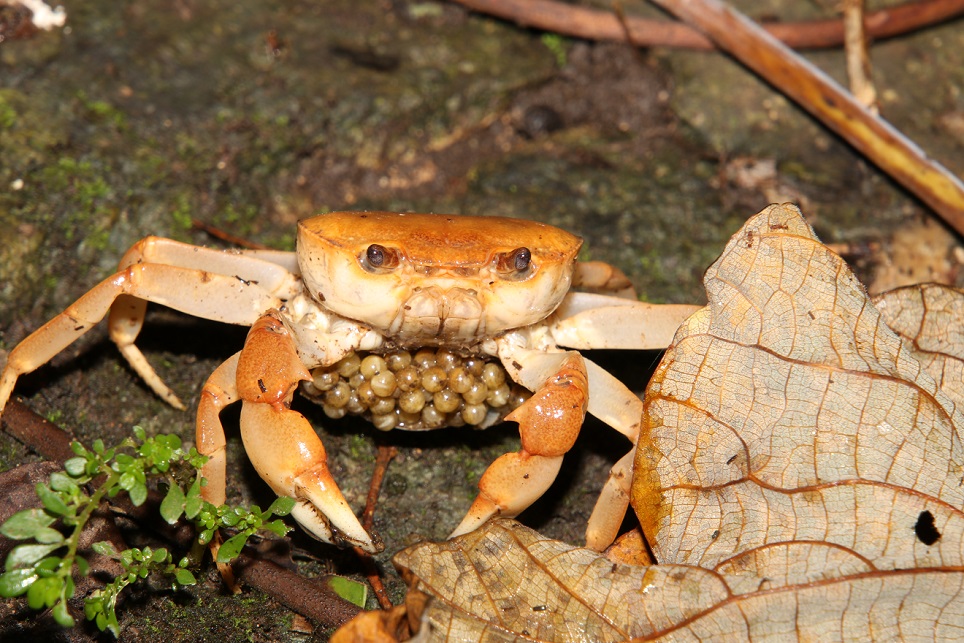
[[443, 279]]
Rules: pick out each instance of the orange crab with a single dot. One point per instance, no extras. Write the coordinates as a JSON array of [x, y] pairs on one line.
[[489, 288]]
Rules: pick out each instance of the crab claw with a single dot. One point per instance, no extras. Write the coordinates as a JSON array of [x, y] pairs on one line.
[[510, 484], [549, 424], [281, 443], [288, 455]]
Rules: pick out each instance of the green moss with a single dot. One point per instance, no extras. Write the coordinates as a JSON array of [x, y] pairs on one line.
[[558, 46], [99, 110], [360, 448]]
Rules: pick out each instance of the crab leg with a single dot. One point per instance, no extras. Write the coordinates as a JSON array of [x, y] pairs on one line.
[[198, 293], [269, 270], [218, 392], [586, 320], [549, 424], [601, 277], [281, 444]]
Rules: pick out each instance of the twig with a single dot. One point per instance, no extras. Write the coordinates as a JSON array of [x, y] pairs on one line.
[[313, 599], [385, 455], [227, 237], [43, 437], [836, 108], [858, 59], [596, 24]]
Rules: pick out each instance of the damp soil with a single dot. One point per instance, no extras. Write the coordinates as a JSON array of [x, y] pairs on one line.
[[138, 118]]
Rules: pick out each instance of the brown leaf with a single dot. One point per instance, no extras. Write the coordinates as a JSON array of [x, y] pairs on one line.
[[793, 440], [931, 318], [505, 582]]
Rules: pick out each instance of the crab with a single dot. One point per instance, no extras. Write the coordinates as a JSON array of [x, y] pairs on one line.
[[490, 288]]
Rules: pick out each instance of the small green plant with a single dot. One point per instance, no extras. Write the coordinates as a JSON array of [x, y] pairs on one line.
[[557, 46], [44, 569]]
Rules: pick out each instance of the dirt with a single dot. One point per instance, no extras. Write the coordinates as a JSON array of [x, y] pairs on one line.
[[137, 118]]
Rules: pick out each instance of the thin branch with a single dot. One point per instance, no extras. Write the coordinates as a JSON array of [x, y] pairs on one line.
[[385, 455], [858, 58], [834, 106], [596, 24]]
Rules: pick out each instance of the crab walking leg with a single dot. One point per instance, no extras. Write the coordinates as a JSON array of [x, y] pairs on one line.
[[612, 504], [281, 443], [549, 424], [599, 276], [197, 293], [587, 320], [219, 391], [269, 270]]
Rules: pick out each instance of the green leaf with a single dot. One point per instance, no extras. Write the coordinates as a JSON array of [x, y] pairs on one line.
[[25, 524], [170, 440], [192, 507], [48, 535], [60, 481], [44, 592], [92, 605], [112, 623], [127, 481], [49, 565], [16, 581], [159, 556], [104, 548], [83, 567], [350, 590], [139, 433], [282, 506], [98, 446], [232, 547], [277, 527], [76, 466], [173, 504], [138, 494], [28, 555], [52, 501], [184, 577], [78, 448], [62, 615]]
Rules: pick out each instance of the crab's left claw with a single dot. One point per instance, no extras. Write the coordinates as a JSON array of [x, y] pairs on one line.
[[549, 424]]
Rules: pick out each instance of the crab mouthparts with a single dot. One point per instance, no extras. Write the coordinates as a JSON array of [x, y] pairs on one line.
[[435, 315]]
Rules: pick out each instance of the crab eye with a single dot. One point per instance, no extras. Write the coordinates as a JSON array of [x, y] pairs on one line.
[[378, 256], [521, 259], [375, 255], [514, 264]]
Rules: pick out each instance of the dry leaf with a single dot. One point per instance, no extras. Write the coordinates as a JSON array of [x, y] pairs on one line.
[[795, 443], [931, 318], [799, 476], [505, 582]]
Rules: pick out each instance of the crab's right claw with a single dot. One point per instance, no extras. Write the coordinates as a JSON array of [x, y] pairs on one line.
[[288, 455], [281, 443]]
